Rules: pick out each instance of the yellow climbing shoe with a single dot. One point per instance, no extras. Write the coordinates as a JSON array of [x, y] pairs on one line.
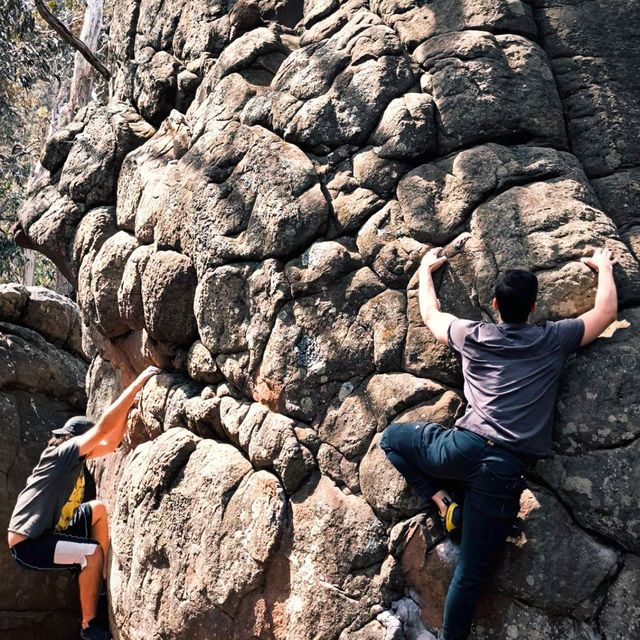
[[452, 517]]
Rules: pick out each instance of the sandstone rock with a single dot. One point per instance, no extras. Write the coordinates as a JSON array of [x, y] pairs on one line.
[[327, 25], [321, 265], [384, 488], [423, 354], [600, 489], [30, 363], [333, 93], [353, 418], [93, 230], [201, 364], [201, 27], [504, 80], [168, 289], [130, 304], [301, 381], [496, 173], [307, 154], [376, 173], [596, 411], [416, 23], [274, 443], [241, 516], [620, 615], [336, 466], [106, 274], [407, 129], [50, 314], [353, 208], [618, 194], [566, 289], [49, 219], [528, 622], [596, 84], [335, 551], [59, 145], [143, 171], [632, 240], [156, 85], [236, 305], [548, 540], [263, 197], [244, 52], [91, 169], [227, 99], [522, 576]]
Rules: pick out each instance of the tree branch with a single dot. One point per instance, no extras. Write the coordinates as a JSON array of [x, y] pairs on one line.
[[69, 38]]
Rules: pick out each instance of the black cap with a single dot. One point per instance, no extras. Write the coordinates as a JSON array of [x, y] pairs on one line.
[[74, 427]]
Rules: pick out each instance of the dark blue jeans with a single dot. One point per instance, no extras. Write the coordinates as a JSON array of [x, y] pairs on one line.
[[492, 479]]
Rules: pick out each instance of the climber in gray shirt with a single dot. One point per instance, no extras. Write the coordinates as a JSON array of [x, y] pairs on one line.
[[511, 372], [52, 526]]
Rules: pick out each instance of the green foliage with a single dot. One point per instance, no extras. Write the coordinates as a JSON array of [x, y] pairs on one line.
[[34, 63]]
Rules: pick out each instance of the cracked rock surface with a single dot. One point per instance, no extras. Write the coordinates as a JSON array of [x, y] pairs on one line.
[[248, 212]]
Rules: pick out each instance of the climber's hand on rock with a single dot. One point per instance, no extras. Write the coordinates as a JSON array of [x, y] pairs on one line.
[[433, 259], [148, 373], [601, 259]]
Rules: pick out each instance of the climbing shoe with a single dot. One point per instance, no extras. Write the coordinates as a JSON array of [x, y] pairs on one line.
[[95, 631], [452, 518]]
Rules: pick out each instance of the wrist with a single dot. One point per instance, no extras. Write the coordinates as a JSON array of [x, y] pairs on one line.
[[425, 270]]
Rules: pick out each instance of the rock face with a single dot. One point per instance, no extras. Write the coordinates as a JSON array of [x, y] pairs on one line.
[[41, 386], [249, 211]]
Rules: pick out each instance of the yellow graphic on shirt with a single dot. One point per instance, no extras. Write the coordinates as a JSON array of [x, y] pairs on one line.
[[74, 501]]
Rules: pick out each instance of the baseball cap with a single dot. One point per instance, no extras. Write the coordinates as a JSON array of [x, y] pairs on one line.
[[74, 426]]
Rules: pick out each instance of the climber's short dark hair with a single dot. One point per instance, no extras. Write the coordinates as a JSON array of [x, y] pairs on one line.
[[56, 441], [516, 293]]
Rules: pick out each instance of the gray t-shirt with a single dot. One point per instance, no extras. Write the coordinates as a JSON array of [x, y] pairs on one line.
[[48, 488], [511, 374]]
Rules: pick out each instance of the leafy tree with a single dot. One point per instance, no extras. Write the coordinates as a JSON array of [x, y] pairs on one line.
[[35, 65]]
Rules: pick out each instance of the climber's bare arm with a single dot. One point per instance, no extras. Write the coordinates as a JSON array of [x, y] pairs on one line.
[[437, 321], [108, 432], [606, 302]]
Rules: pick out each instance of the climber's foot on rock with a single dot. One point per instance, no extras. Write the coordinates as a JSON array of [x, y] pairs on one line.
[[452, 517], [95, 631]]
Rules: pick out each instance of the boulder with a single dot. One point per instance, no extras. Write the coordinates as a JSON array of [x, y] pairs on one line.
[[240, 518], [620, 615], [599, 488], [90, 172], [596, 411], [417, 23], [521, 601], [505, 81], [596, 84], [334, 92]]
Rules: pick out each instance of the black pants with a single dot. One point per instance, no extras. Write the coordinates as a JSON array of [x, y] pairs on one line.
[[493, 481]]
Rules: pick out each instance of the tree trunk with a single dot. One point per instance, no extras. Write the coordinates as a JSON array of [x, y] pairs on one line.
[[82, 82], [69, 38], [29, 267]]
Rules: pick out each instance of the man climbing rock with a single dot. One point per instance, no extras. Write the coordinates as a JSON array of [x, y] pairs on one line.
[[511, 372], [52, 527]]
